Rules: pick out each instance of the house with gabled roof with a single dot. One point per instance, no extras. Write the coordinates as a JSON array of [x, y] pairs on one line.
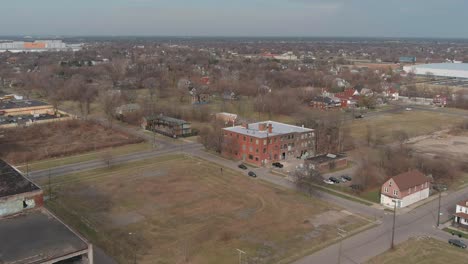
[[461, 214], [405, 189]]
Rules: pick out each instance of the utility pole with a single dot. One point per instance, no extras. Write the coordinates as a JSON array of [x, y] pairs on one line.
[[240, 255], [50, 186], [438, 211], [393, 228]]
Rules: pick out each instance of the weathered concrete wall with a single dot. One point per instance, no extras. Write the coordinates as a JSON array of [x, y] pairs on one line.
[[18, 203]]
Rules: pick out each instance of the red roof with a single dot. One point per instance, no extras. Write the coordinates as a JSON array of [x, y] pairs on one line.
[[346, 94], [410, 179], [463, 203], [462, 215], [391, 90]]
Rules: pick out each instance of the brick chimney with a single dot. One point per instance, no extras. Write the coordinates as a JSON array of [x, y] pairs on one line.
[[262, 127], [270, 128]]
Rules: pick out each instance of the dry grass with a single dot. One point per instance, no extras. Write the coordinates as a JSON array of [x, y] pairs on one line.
[[419, 250], [414, 123], [58, 139], [183, 209]]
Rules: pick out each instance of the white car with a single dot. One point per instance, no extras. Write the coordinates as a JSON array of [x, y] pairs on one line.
[[409, 108], [327, 181]]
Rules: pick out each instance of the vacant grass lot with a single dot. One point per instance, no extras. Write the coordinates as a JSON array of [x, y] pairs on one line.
[[59, 139], [414, 123], [178, 209], [423, 250]]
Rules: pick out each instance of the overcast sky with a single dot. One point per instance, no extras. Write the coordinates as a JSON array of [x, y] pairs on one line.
[[366, 18]]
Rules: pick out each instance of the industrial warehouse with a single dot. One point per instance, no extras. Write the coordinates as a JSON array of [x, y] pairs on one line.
[[38, 46], [450, 70]]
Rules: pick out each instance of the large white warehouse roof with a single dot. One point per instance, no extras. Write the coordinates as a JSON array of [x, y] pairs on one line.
[[455, 70]]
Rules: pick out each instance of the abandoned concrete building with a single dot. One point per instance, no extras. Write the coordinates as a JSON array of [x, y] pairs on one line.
[[30, 233]]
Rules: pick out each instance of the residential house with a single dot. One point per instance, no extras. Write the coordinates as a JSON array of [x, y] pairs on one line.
[[391, 93], [126, 109], [348, 97], [264, 142], [461, 214], [325, 102], [227, 118], [440, 101], [405, 189]]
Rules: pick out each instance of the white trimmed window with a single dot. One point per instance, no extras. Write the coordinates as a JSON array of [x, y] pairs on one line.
[[385, 189], [395, 192]]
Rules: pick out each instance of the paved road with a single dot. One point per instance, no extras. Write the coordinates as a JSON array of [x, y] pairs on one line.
[[419, 222], [95, 164]]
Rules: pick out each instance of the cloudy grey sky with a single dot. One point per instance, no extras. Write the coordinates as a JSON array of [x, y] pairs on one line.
[[366, 18]]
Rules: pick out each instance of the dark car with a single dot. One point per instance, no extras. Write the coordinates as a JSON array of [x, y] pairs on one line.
[[457, 243], [335, 180], [346, 177], [242, 166], [277, 164], [359, 116], [252, 174]]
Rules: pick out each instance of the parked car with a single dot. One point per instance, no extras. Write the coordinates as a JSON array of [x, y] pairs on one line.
[[342, 179], [252, 174], [334, 180], [347, 178], [409, 108], [327, 181], [277, 164], [242, 166], [358, 116], [457, 243]]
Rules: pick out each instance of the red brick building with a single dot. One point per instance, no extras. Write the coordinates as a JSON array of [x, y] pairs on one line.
[[326, 163], [265, 142]]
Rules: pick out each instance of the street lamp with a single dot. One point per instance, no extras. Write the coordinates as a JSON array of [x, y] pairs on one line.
[[240, 255]]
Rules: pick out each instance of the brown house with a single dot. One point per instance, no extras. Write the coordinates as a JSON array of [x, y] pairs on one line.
[[405, 189]]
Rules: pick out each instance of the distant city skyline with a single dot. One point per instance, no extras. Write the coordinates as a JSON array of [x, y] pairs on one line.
[[332, 18]]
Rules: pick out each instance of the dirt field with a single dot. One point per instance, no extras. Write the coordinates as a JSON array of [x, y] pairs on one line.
[[442, 144], [178, 209], [59, 139], [414, 123], [422, 250]]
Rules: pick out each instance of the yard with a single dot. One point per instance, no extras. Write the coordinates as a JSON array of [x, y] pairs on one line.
[[175, 209], [52, 140], [422, 250], [414, 123]]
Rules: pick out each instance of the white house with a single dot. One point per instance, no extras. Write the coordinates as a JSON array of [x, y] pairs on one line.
[[405, 189], [461, 213]]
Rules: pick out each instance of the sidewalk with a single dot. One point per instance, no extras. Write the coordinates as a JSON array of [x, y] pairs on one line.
[[418, 204]]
